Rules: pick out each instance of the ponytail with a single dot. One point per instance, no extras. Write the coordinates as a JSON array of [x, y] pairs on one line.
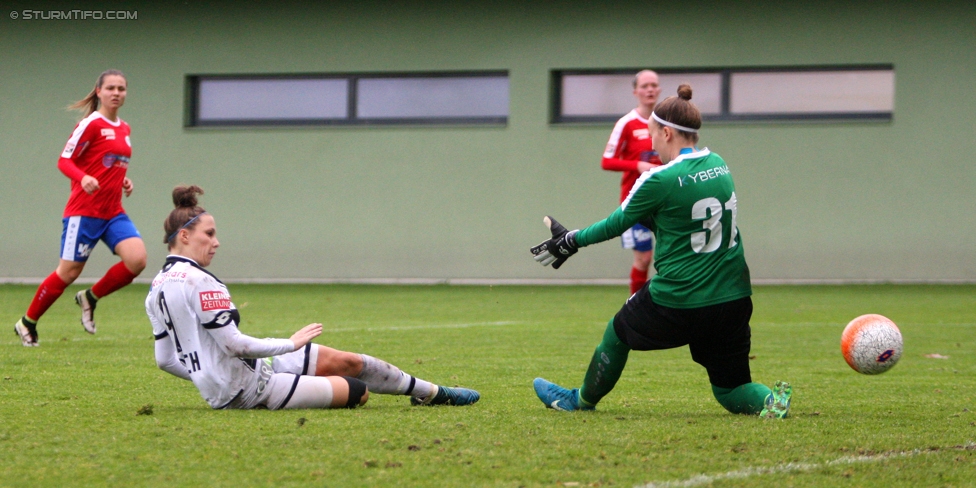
[[89, 104]]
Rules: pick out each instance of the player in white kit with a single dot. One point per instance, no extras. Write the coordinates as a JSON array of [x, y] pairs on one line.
[[197, 338]]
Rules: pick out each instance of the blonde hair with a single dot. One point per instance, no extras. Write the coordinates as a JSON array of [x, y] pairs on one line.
[[89, 104], [639, 73]]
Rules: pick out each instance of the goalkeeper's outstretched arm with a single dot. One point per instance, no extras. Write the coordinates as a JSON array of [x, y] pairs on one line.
[[564, 243]]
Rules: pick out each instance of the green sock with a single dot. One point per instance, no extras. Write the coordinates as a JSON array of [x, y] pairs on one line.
[[746, 399], [607, 364]]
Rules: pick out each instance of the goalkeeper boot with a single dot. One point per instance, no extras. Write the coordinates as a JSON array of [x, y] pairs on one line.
[[444, 395], [778, 402], [27, 332], [87, 302], [559, 398]]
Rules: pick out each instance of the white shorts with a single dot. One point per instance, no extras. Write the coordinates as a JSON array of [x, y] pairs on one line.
[[300, 362], [264, 388], [274, 391]]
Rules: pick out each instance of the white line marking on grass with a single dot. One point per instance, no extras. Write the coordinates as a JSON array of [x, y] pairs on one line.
[[837, 324], [704, 479], [421, 327]]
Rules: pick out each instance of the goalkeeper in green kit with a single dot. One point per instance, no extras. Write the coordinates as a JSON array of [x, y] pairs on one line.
[[699, 297]]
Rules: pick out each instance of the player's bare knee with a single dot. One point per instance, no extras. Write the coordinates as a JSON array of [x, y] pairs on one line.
[[353, 364], [346, 363], [642, 260], [69, 271], [136, 265]]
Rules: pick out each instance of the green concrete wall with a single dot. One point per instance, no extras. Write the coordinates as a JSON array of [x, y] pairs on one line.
[[817, 201]]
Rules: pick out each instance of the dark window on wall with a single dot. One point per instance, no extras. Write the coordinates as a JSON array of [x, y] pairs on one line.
[[347, 99], [828, 93]]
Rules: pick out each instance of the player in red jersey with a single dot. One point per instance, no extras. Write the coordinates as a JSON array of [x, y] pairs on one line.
[[95, 159], [630, 151]]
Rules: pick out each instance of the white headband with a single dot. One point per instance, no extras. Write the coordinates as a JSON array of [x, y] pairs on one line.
[[672, 125]]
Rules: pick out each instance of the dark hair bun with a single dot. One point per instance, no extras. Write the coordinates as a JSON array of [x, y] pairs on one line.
[[684, 92], [186, 195]]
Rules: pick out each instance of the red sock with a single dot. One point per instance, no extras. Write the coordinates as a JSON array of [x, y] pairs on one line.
[[51, 288], [637, 279], [116, 277]]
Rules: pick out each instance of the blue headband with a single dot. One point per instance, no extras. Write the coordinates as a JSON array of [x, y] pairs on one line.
[[171, 236]]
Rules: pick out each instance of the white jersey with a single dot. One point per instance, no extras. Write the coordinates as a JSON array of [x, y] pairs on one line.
[[192, 309]]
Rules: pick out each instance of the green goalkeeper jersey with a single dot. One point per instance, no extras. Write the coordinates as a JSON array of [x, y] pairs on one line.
[[690, 206]]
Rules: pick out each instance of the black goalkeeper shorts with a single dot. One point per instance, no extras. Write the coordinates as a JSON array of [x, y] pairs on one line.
[[718, 335]]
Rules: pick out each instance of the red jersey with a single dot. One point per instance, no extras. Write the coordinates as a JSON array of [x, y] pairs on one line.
[[99, 148], [630, 143]]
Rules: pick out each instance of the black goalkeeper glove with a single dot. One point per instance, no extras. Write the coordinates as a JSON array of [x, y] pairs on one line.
[[557, 250]]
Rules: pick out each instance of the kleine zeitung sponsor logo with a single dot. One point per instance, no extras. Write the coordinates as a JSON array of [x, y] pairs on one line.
[[214, 300]]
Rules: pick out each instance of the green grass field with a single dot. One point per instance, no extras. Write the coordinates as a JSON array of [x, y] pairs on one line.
[[70, 408]]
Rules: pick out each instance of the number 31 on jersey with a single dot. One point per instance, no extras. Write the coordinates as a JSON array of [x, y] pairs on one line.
[[710, 211]]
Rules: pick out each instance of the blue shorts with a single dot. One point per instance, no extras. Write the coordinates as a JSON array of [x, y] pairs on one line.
[[80, 235], [638, 238]]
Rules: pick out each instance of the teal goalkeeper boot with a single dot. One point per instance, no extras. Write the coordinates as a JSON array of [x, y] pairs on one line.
[[778, 402], [559, 398]]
